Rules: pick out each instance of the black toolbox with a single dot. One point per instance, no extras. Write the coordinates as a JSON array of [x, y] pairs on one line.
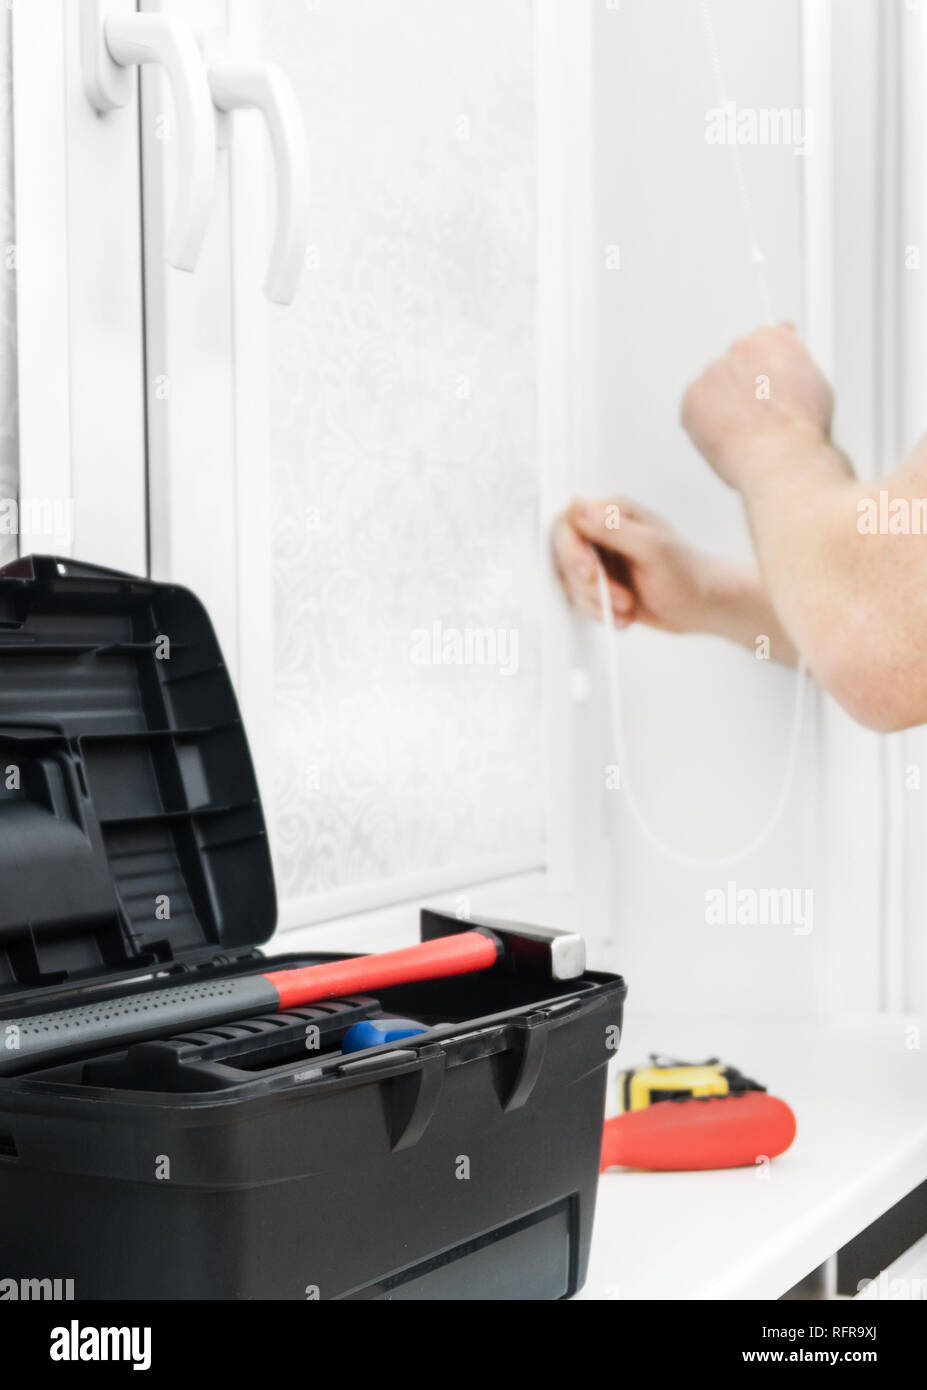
[[239, 1162]]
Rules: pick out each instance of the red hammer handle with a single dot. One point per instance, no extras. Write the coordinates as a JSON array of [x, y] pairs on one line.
[[39, 1039], [431, 960]]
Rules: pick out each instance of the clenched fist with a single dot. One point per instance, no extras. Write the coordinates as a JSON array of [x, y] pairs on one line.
[[763, 393]]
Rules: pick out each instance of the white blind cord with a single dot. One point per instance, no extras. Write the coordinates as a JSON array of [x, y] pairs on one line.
[[613, 669], [757, 258], [688, 861]]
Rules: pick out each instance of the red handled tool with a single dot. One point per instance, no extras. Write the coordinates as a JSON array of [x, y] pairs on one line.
[[734, 1131], [450, 948]]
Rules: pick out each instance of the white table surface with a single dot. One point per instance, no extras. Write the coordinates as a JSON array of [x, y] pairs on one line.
[[859, 1092]]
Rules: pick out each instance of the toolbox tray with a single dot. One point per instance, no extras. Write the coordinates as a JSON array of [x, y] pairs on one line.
[[234, 1162]]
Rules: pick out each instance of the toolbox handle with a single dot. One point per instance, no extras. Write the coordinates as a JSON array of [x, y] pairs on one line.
[[414, 1098], [531, 1034]]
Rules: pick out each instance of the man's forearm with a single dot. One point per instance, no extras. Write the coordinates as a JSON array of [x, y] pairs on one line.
[[800, 500], [739, 609], [852, 596], [830, 585]]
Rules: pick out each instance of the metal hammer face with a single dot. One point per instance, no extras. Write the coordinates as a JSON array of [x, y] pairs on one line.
[[543, 952]]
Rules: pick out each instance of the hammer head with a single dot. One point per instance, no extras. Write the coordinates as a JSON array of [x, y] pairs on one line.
[[544, 952]]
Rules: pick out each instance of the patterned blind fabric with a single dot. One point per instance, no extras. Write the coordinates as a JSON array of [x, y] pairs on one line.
[[404, 450]]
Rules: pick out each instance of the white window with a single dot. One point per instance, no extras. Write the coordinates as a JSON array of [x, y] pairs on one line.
[[359, 485]]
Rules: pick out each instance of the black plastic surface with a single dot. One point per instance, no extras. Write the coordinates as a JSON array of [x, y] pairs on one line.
[[328, 1180], [231, 1055], [131, 830]]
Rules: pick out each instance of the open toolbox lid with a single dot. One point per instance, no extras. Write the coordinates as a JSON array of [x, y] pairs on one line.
[[131, 829]]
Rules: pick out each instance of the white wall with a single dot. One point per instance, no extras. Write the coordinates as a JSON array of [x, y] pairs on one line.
[[707, 725]]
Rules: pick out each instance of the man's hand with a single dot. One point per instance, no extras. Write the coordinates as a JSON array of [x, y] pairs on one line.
[[851, 597], [749, 407], [656, 578]]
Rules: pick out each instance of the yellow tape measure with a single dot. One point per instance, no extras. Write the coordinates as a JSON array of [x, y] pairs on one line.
[[669, 1079]]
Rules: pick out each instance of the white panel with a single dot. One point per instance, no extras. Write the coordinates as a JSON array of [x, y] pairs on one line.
[[841, 286], [40, 160], [911, 257], [9, 457], [251, 322], [80, 343], [707, 725], [817, 53], [194, 524], [567, 385], [107, 398]]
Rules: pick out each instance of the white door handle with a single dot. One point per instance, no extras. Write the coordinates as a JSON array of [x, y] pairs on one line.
[[263, 87], [111, 45]]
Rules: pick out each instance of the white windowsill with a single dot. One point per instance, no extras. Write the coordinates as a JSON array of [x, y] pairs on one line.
[[859, 1092]]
